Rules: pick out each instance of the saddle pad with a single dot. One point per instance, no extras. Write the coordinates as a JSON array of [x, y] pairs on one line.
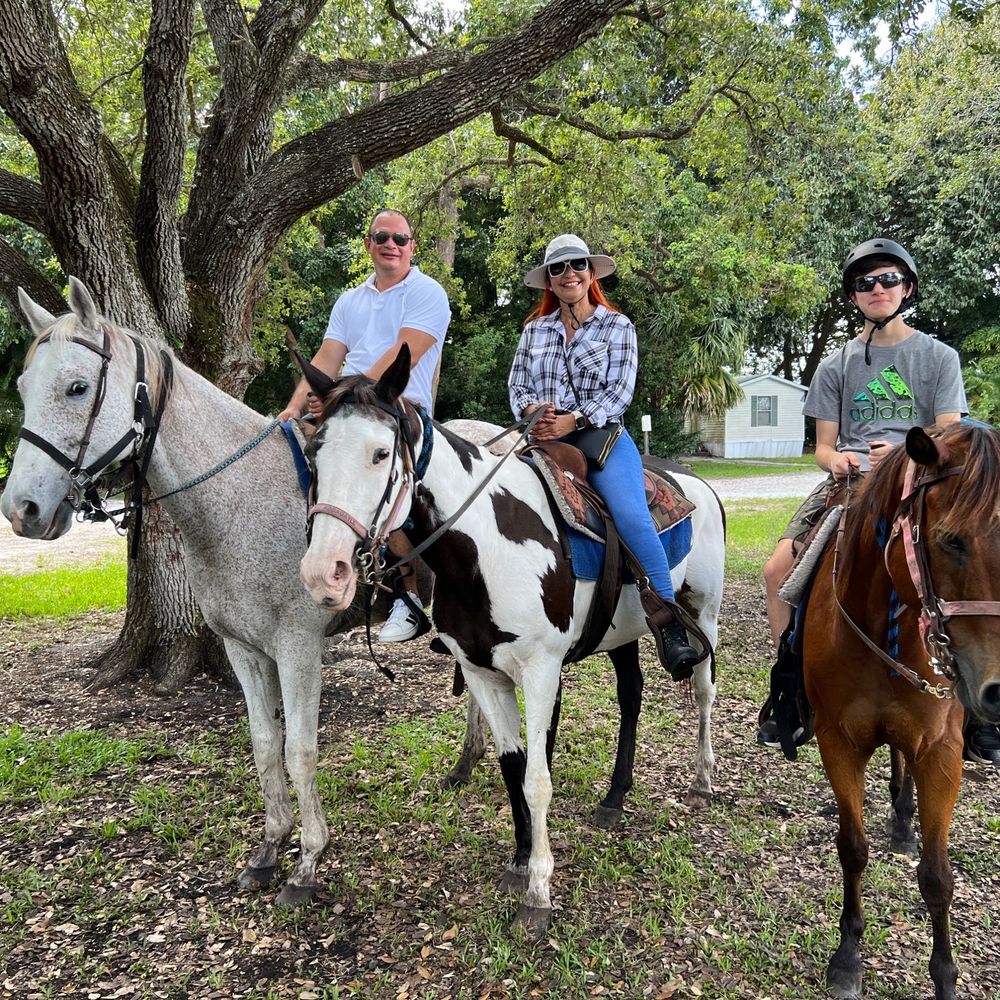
[[807, 560], [588, 555]]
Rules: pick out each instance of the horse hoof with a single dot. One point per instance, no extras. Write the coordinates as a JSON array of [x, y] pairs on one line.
[[533, 921], [255, 879], [906, 847], [843, 984], [605, 818], [294, 896], [514, 880], [697, 800], [455, 778]]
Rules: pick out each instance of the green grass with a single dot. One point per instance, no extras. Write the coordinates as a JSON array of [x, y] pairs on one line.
[[752, 529], [712, 468], [64, 592]]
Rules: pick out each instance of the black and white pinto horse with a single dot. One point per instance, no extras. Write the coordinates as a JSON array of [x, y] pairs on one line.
[[505, 601]]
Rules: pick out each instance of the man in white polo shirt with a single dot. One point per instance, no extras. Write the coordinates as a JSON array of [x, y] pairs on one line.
[[395, 305]]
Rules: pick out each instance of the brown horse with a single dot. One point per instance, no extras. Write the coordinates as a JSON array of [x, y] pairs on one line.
[[903, 629]]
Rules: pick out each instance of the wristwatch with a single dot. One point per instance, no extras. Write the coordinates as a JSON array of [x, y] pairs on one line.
[[582, 423]]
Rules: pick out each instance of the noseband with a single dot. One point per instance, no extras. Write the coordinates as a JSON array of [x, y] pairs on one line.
[[135, 445]]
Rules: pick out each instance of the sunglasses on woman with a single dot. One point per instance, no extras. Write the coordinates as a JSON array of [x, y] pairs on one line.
[[888, 280], [381, 236], [580, 264]]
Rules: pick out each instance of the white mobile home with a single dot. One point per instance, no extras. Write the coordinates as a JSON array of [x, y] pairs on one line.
[[767, 423]]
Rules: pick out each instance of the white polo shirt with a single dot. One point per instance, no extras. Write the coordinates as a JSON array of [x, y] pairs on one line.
[[368, 322]]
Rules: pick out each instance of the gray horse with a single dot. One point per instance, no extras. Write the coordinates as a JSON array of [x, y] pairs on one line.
[[243, 533]]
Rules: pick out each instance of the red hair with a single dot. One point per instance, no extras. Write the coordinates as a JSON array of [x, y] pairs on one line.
[[549, 303]]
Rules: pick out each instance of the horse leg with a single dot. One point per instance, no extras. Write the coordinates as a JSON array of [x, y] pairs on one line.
[[301, 684], [699, 793], [550, 735], [258, 678], [541, 688], [938, 776], [902, 839], [473, 747], [628, 676], [845, 767], [495, 695]]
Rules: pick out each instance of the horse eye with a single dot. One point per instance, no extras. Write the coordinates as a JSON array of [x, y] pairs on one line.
[[381, 454], [954, 544], [77, 388]]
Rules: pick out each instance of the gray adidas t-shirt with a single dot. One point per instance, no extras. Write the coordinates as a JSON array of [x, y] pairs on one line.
[[907, 385]]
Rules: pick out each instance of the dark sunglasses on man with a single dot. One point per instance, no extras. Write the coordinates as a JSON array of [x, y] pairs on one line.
[[381, 236], [580, 264], [888, 280]]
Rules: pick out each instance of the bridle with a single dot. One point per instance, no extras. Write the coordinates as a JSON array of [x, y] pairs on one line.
[[135, 446], [373, 537], [934, 612]]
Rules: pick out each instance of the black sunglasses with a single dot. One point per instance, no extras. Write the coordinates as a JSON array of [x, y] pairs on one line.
[[580, 264], [888, 280], [400, 239]]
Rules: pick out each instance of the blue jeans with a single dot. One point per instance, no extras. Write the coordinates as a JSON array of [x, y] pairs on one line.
[[620, 483]]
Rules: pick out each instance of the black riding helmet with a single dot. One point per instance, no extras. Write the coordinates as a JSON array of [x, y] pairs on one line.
[[878, 249], [860, 259]]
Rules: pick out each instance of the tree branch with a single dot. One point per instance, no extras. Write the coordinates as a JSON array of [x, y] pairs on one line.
[[504, 130], [23, 200], [158, 246], [484, 161], [394, 13], [16, 270]]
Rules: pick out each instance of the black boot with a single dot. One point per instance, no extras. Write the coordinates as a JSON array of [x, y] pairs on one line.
[[982, 743], [676, 653]]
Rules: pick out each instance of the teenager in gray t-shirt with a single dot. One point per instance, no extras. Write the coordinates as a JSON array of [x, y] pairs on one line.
[[908, 384], [865, 398]]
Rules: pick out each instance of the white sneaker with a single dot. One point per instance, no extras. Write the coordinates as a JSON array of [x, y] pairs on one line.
[[402, 624]]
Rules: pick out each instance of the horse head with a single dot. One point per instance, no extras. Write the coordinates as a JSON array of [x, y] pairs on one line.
[[362, 478], [954, 483], [76, 405]]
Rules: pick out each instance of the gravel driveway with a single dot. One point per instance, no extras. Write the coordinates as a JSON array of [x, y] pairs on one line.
[[792, 484]]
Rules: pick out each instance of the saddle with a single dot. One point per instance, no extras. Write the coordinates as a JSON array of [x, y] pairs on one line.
[[562, 468]]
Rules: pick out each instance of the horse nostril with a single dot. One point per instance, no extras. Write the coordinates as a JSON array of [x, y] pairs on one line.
[[29, 511]]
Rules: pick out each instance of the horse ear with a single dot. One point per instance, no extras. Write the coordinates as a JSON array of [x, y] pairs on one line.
[[318, 380], [395, 378], [39, 319], [923, 449], [82, 302]]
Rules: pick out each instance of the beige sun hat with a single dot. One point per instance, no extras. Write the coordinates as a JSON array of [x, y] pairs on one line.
[[569, 247]]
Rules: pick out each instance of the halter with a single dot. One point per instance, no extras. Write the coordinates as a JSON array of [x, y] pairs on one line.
[[934, 612], [136, 444]]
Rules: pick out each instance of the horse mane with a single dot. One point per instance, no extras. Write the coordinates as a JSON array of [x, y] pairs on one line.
[[974, 499], [68, 326]]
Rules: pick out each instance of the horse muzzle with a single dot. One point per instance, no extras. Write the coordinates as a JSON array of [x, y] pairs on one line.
[[29, 521], [331, 583]]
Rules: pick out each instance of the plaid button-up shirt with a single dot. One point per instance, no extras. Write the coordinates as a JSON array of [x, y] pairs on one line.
[[603, 357]]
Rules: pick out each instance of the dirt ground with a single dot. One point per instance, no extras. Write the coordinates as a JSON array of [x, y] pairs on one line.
[[186, 931]]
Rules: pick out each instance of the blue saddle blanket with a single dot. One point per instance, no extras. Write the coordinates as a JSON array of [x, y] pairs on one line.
[[588, 555]]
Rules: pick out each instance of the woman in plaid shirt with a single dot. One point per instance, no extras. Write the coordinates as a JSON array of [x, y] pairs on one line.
[[577, 360]]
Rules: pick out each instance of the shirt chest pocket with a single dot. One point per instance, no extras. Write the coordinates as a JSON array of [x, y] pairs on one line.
[[589, 363]]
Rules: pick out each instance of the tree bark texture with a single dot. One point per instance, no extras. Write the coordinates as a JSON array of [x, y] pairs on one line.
[[196, 277]]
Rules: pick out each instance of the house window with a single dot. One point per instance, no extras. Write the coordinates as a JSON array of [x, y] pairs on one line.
[[763, 411]]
